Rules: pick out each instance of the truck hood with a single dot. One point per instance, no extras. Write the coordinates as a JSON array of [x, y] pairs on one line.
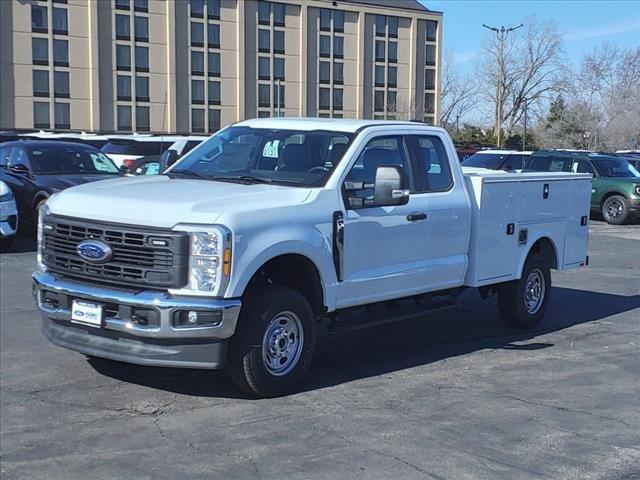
[[161, 201]]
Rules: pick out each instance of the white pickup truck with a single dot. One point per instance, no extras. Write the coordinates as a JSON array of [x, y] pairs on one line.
[[231, 257]]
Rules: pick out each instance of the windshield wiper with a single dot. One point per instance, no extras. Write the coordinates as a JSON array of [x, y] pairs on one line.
[[244, 179], [187, 173]]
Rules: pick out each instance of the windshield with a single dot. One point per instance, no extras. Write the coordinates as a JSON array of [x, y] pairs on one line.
[[485, 160], [68, 160], [292, 157], [614, 167], [133, 147]]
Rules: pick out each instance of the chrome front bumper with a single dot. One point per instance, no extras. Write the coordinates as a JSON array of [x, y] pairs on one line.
[[164, 304]]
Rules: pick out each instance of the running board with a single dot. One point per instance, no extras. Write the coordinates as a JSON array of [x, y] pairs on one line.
[[381, 314]]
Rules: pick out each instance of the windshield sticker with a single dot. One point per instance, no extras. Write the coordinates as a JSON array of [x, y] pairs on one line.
[[270, 149]]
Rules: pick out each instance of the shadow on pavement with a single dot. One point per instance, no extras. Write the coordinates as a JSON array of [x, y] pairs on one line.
[[344, 357], [21, 244]]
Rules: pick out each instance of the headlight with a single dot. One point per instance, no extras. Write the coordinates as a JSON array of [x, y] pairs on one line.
[[210, 260], [7, 197], [637, 189], [44, 211]]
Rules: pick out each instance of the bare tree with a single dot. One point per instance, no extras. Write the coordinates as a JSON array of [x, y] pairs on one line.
[[458, 95]]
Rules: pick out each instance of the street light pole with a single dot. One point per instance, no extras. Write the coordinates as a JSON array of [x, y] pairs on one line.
[[502, 34]]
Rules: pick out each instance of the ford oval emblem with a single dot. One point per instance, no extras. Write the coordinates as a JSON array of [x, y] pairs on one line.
[[94, 251]]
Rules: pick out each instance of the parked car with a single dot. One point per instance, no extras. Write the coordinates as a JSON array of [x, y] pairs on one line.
[[616, 183], [124, 149], [507, 160], [155, 164], [465, 152], [8, 216], [632, 156], [231, 257], [92, 139], [37, 169]]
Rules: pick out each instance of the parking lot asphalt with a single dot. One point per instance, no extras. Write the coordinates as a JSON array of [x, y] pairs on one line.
[[456, 395]]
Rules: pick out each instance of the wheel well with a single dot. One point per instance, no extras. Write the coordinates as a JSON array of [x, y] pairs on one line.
[[293, 271], [607, 195], [544, 247], [38, 198]]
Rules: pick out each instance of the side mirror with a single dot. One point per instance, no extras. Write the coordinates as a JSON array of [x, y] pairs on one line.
[[123, 169], [390, 187], [168, 158], [19, 168]]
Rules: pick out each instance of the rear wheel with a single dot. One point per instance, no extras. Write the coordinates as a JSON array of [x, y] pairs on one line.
[[274, 343], [615, 210], [523, 303]]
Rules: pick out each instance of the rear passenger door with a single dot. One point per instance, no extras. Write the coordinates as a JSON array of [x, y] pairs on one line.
[[445, 245]]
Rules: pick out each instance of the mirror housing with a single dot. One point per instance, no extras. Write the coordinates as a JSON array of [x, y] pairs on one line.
[[390, 187], [168, 158], [19, 168]]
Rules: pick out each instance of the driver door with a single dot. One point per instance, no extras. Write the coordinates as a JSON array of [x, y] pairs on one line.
[[383, 245]]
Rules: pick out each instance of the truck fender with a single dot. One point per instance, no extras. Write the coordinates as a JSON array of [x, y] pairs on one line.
[[543, 236]]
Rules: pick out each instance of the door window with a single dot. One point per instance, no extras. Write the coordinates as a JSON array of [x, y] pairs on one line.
[[582, 166], [381, 151], [514, 162], [433, 172]]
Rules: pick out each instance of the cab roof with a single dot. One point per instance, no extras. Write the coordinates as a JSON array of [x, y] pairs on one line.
[[334, 124]]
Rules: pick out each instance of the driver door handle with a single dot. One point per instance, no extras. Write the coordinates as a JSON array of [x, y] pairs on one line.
[[414, 217]]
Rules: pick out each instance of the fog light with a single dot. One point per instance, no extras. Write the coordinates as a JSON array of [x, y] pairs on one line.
[[194, 318]]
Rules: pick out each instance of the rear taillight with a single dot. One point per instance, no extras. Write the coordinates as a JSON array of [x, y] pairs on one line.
[[128, 162]]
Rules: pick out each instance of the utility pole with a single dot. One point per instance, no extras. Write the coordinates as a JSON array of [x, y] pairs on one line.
[[502, 34], [457, 123], [524, 136]]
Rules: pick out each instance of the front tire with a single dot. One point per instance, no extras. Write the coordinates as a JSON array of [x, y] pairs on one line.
[[274, 342], [615, 210], [523, 303]]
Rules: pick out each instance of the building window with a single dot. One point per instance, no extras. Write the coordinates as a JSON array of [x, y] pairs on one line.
[[197, 120], [338, 73], [40, 83], [325, 20], [393, 52], [380, 51], [196, 9], [430, 55], [429, 103], [264, 95], [392, 98], [214, 120], [62, 116], [213, 9], [431, 30], [338, 21], [197, 34], [141, 5], [142, 119], [337, 99], [325, 46], [141, 29], [40, 51], [264, 13], [278, 41], [381, 26], [429, 79], [142, 59], [197, 64], [60, 53], [392, 77], [142, 89], [264, 44], [429, 120], [278, 68], [214, 92], [60, 22], [379, 76], [264, 68], [392, 27], [338, 47], [124, 118], [123, 87], [278, 14], [122, 4], [378, 101], [41, 115], [214, 64], [264, 114], [123, 27], [324, 72], [123, 57], [197, 92], [61, 84], [278, 96], [324, 98], [213, 35], [39, 19]]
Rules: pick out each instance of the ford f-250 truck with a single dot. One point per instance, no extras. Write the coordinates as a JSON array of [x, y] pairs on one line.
[[231, 257]]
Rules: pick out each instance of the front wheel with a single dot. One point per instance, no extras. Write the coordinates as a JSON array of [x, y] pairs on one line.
[[523, 303], [274, 342], [615, 210]]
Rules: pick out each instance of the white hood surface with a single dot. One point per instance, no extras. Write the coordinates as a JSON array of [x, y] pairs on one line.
[[164, 202]]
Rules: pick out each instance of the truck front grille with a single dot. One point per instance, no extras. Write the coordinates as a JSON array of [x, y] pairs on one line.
[[140, 256]]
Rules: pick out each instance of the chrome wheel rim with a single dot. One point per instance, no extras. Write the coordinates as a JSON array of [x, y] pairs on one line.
[[534, 291], [614, 209], [282, 343]]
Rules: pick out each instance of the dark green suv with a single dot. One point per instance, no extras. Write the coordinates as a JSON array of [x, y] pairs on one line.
[[616, 183]]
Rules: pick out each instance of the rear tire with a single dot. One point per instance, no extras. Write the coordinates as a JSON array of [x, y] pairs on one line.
[[523, 303], [615, 210], [274, 342]]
